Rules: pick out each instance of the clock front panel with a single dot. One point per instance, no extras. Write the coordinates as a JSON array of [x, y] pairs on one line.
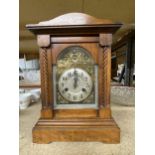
[[75, 79]]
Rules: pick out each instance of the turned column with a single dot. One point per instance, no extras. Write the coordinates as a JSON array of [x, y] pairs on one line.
[[105, 41], [46, 75]]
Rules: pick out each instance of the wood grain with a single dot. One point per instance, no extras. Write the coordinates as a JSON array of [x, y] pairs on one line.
[[106, 75], [46, 77], [105, 39], [43, 40], [101, 78], [85, 39], [44, 74], [103, 130], [47, 113], [105, 113], [75, 113]]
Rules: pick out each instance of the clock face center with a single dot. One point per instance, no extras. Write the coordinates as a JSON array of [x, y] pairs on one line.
[[75, 84]]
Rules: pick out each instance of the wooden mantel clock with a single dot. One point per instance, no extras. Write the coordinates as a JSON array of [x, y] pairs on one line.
[[75, 63]]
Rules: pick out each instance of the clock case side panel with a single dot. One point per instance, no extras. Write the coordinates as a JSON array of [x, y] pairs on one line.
[[91, 45]]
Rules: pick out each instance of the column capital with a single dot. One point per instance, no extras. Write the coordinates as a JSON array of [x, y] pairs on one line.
[[43, 40]]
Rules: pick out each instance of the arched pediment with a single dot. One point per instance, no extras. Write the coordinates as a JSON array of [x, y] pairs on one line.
[[75, 19]]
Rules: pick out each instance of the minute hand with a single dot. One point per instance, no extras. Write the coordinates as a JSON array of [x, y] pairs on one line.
[[75, 79]]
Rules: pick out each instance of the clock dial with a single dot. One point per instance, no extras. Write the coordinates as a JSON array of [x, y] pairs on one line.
[[75, 85], [75, 78]]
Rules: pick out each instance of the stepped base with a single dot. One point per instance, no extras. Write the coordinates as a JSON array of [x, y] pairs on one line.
[[97, 129]]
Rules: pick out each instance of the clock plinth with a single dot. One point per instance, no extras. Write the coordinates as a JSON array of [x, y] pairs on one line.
[[75, 64], [91, 129]]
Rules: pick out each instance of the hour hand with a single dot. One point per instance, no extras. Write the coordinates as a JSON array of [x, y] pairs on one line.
[[75, 79], [75, 82]]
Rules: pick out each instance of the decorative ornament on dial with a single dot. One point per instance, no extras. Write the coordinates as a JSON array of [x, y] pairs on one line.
[[75, 85]]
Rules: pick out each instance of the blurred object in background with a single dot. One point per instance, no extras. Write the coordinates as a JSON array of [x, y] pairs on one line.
[[123, 59], [123, 95], [28, 96], [21, 75], [24, 100], [29, 71]]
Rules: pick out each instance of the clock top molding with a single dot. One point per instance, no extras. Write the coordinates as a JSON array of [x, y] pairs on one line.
[[74, 24]]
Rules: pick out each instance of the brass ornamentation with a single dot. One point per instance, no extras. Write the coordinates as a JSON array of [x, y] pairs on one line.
[[75, 57]]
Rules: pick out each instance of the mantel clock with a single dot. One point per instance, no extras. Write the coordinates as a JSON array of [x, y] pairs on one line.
[[75, 63]]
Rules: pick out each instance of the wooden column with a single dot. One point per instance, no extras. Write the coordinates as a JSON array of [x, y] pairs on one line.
[[46, 75], [105, 41]]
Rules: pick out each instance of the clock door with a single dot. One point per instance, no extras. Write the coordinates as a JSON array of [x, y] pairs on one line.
[[75, 78]]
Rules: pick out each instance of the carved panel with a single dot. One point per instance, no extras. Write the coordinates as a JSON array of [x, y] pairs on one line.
[[44, 76], [101, 78], [106, 74]]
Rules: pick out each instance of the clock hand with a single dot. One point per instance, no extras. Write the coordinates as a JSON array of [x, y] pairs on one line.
[[75, 79]]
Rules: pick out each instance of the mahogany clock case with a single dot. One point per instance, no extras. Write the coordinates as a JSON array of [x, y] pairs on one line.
[[84, 123]]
